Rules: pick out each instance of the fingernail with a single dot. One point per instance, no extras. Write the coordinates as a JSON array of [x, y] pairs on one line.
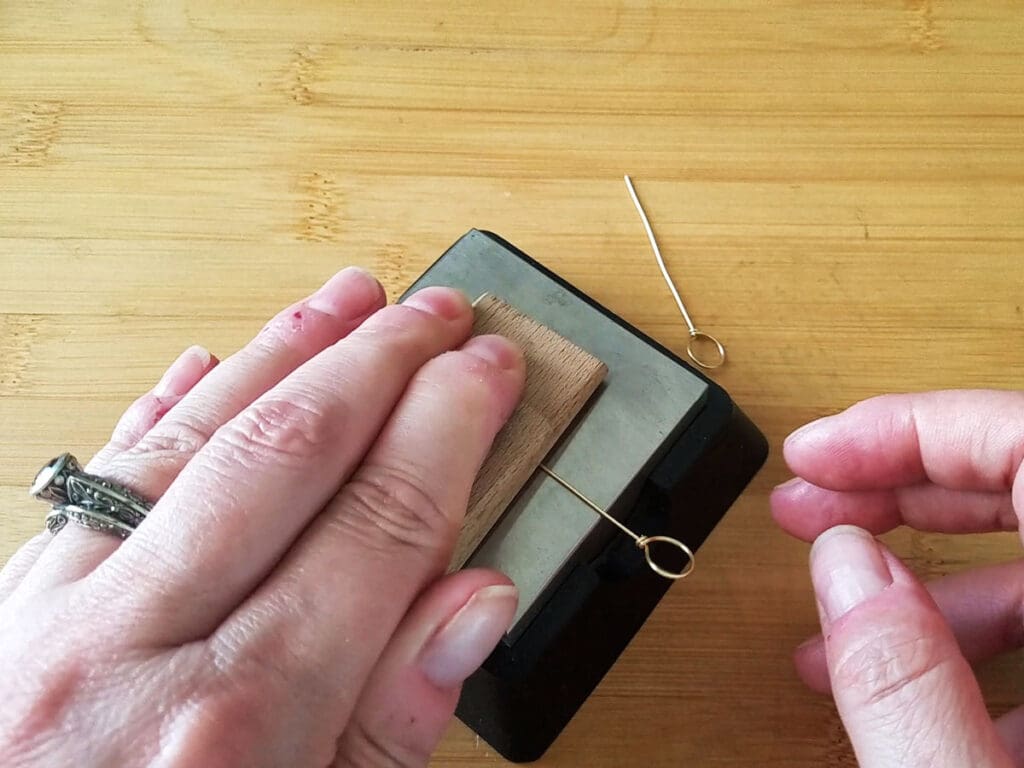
[[809, 431], [791, 483], [464, 643], [183, 373], [809, 643], [496, 350], [847, 568], [351, 294], [443, 302]]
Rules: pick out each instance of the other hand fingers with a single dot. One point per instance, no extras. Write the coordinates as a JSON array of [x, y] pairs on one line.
[[982, 607], [410, 697], [962, 440], [806, 511], [905, 693]]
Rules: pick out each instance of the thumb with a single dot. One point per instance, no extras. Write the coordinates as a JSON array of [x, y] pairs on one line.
[[409, 699], [906, 695]]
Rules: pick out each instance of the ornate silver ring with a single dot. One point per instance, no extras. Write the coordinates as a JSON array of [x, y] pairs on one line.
[[88, 500]]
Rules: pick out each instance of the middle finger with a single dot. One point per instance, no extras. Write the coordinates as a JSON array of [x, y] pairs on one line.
[[806, 511]]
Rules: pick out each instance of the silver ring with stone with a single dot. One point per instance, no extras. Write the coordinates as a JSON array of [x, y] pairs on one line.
[[88, 500]]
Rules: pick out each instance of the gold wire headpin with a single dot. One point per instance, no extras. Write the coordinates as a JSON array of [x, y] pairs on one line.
[[696, 336], [642, 542]]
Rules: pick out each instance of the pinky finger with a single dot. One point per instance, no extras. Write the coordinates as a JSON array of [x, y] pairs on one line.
[[20, 563], [79, 549], [142, 415], [411, 695]]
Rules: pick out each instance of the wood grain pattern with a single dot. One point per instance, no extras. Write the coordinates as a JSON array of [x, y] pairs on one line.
[[560, 378], [837, 186]]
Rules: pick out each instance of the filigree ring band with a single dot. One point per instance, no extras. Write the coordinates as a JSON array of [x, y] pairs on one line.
[[88, 500]]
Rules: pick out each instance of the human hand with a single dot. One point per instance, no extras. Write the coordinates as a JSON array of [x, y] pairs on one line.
[[284, 602], [895, 654]]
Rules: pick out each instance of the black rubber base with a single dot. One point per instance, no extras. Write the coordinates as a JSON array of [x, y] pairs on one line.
[[528, 691]]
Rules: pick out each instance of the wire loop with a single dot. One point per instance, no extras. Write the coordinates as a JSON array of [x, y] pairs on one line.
[[705, 362], [695, 335], [644, 543]]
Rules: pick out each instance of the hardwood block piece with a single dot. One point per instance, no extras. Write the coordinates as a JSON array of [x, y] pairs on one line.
[[560, 379]]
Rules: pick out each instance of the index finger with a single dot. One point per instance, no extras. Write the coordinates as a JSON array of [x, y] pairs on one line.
[[966, 440], [329, 608]]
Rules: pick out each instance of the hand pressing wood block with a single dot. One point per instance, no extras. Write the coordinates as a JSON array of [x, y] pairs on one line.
[[560, 378]]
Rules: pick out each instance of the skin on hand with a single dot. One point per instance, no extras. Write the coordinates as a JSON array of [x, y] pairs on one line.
[[285, 601], [894, 654]]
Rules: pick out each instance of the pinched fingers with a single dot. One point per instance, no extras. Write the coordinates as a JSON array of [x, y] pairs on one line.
[[805, 510], [963, 440], [984, 608], [947, 461], [904, 691]]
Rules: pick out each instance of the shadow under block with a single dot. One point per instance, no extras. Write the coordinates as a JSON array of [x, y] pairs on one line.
[[560, 378]]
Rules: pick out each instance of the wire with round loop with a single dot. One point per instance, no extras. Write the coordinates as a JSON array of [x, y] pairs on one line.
[[704, 362], [644, 543], [696, 334]]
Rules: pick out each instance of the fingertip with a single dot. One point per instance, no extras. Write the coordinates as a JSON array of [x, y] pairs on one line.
[[448, 633], [184, 373], [784, 503], [824, 544], [788, 517], [496, 350], [821, 452], [445, 597], [811, 664], [487, 375], [351, 294], [446, 303], [467, 637], [801, 509], [792, 484], [848, 570], [806, 434], [805, 510]]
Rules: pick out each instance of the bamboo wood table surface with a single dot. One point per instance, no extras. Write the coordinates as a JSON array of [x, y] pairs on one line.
[[838, 187]]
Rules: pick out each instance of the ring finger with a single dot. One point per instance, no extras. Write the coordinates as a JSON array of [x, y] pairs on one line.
[[151, 464], [141, 416]]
